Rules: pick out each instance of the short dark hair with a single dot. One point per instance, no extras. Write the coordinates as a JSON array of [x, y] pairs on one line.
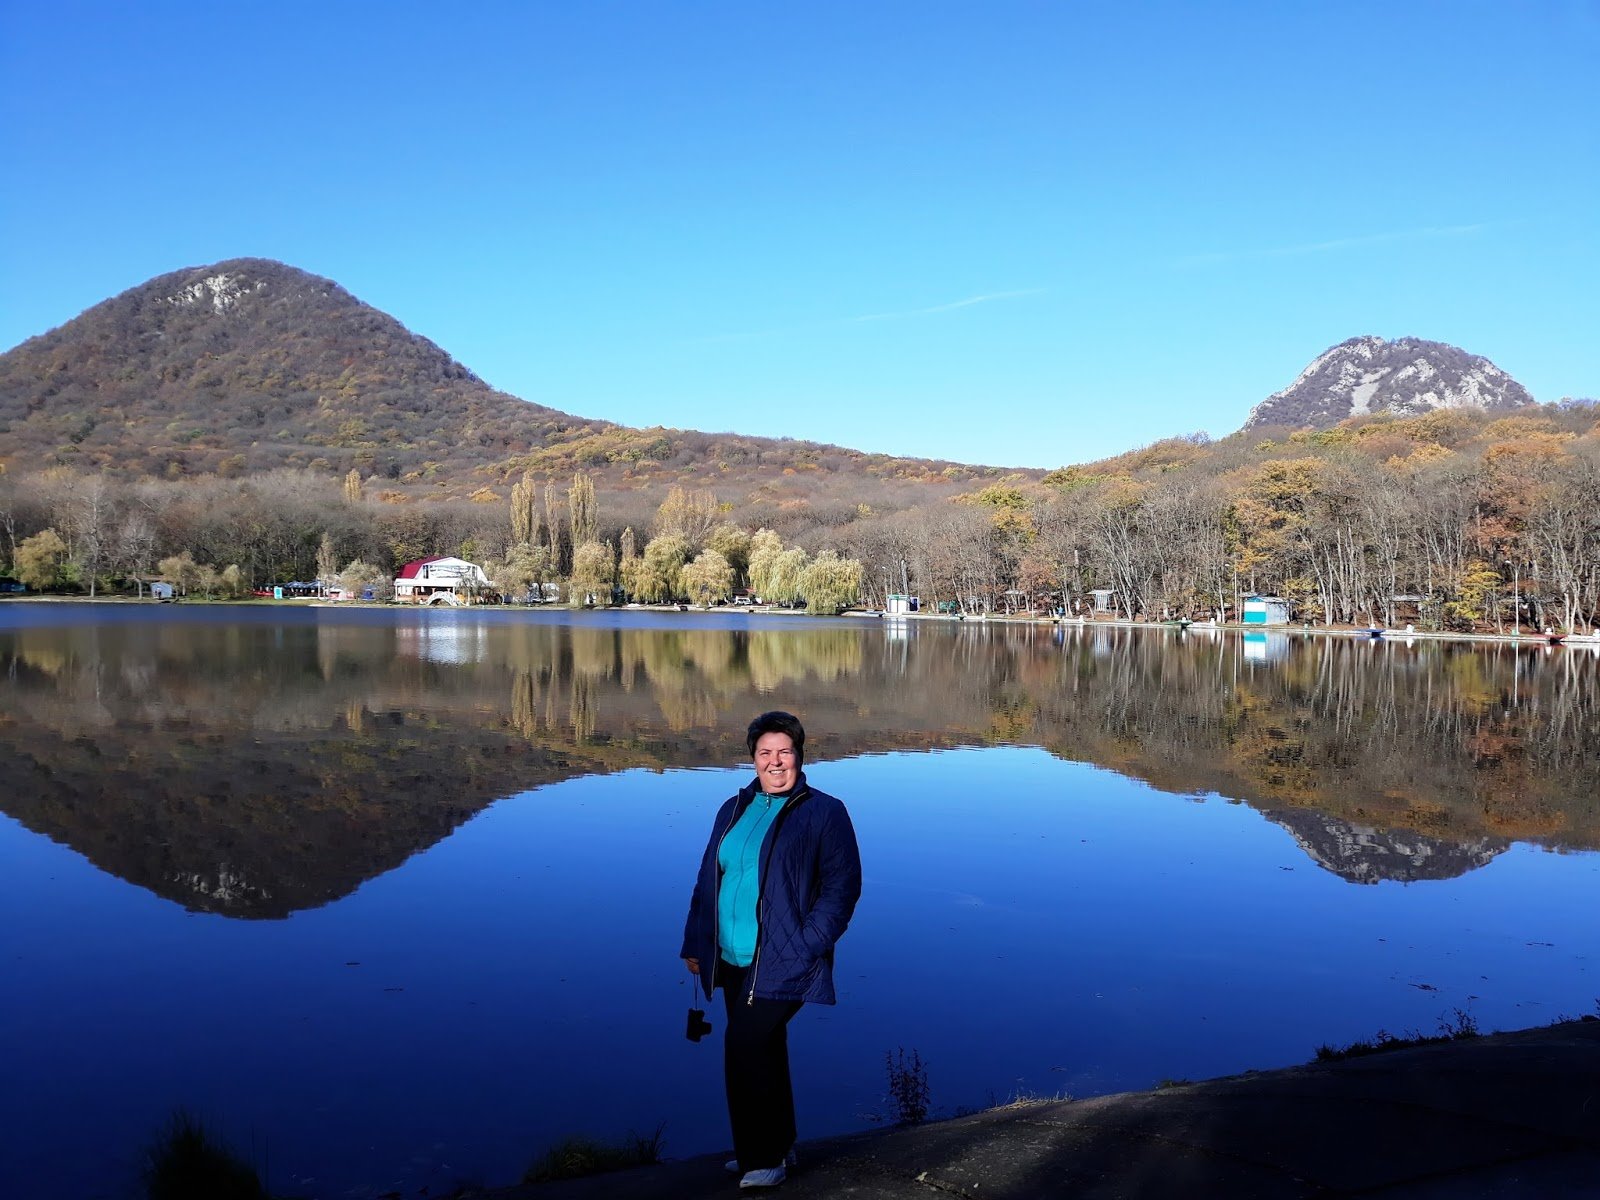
[[778, 722]]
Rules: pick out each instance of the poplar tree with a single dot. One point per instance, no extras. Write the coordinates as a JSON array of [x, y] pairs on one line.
[[580, 502], [552, 517], [524, 511]]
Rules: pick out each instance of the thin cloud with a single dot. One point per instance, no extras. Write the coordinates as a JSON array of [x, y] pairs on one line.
[[1426, 233], [984, 298]]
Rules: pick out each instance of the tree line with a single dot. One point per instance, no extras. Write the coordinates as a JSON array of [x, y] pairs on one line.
[[1452, 520]]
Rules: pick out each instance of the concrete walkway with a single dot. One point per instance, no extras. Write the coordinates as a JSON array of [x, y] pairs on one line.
[[1512, 1116]]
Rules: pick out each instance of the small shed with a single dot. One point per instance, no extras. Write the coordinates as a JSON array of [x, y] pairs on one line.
[[1266, 610], [899, 605]]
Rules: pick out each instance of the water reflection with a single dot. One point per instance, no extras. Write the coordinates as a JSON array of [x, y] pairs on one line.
[[259, 764], [492, 799]]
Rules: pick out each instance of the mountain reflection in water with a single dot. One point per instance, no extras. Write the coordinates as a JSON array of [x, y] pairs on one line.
[[259, 762]]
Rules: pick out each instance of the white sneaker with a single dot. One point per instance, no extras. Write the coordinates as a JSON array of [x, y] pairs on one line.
[[769, 1177], [790, 1160]]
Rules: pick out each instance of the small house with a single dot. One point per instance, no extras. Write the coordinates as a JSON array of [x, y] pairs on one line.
[[439, 580], [1266, 610]]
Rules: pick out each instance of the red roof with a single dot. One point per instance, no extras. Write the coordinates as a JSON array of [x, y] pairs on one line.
[[413, 570]]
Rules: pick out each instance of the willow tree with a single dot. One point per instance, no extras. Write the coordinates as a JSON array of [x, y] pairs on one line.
[[830, 583], [733, 544], [594, 573], [788, 570], [659, 569], [709, 578], [765, 546]]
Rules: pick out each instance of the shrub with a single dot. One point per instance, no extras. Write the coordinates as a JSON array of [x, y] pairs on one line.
[[908, 1086], [188, 1162], [578, 1156]]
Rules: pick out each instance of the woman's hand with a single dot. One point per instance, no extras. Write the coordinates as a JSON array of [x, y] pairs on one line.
[[693, 964]]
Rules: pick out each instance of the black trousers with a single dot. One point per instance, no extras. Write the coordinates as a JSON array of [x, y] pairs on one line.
[[755, 1067]]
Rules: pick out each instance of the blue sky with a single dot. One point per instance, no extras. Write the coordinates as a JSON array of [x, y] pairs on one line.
[[1012, 233]]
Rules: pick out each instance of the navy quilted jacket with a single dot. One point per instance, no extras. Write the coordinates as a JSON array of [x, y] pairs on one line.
[[810, 881]]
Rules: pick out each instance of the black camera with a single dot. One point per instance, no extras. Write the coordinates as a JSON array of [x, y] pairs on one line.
[[698, 1025]]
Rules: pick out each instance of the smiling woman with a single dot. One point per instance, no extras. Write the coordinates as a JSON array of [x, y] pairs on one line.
[[778, 882]]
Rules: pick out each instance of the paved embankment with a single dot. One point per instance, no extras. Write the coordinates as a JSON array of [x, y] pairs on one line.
[[1513, 1116]]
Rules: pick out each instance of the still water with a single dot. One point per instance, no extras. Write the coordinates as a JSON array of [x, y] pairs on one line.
[[393, 899]]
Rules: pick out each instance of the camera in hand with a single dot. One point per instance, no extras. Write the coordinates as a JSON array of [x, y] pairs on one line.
[[698, 1025]]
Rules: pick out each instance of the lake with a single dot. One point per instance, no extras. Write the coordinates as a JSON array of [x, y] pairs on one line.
[[392, 899]]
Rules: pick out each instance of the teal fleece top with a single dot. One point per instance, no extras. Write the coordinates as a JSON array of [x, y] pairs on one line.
[[739, 856]]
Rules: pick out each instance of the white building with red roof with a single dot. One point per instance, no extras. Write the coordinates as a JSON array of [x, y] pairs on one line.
[[440, 580]]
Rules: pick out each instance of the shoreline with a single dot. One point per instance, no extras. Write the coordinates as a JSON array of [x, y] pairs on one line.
[[1367, 633], [1508, 1114]]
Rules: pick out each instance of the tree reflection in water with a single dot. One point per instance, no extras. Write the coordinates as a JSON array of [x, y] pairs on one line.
[[256, 765]]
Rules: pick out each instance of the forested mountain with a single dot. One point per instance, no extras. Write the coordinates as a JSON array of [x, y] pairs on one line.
[[1405, 378], [249, 365], [261, 418]]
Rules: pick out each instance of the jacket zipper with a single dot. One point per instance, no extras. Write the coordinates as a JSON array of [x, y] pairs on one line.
[[761, 894], [716, 907]]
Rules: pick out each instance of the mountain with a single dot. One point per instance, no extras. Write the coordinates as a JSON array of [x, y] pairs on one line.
[[249, 365], [1362, 854], [1404, 377]]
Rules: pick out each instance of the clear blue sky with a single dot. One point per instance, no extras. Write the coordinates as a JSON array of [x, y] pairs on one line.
[[1011, 233]]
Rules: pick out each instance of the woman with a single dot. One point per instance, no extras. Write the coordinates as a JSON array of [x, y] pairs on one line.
[[777, 884]]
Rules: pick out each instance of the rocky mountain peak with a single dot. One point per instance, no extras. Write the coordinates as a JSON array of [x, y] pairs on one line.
[[1405, 377]]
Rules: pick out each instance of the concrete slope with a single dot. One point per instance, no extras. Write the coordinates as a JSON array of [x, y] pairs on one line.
[[1510, 1116]]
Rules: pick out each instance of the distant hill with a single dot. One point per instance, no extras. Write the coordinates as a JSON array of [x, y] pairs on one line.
[[1405, 377], [249, 365]]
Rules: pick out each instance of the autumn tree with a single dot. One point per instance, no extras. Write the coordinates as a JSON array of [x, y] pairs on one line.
[[733, 544], [552, 520], [629, 565], [521, 569], [709, 578], [830, 583], [691, 515], [580, 501], [765, 547], [39, 560], [788, 571], [93, 521], [594, 574], [359, 575], [524, 511], [327, 563], [659, 569], [181, 571], [352, 487]]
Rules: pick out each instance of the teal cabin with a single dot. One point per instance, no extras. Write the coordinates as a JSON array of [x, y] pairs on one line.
[[1266, 610]]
